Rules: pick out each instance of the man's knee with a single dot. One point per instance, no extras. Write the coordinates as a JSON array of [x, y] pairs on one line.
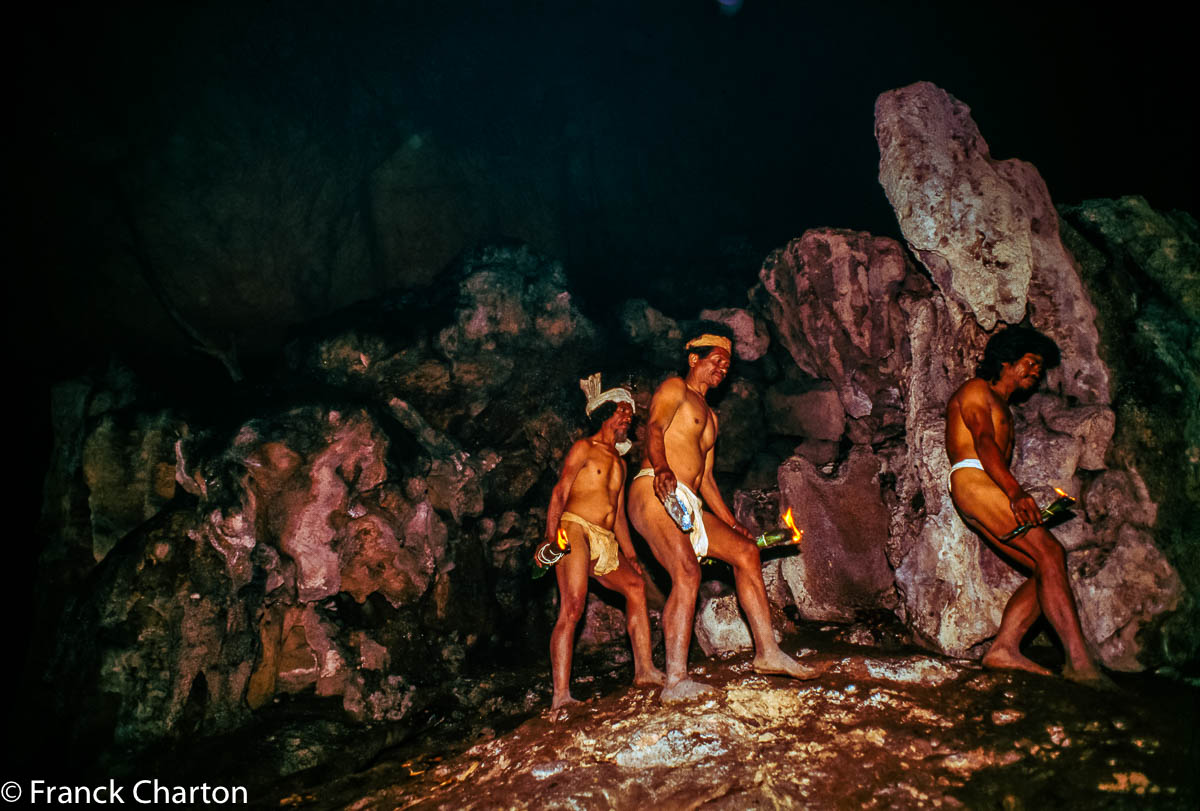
[[635, 592], [686, 575], [1045, 550], [571, 606], [746, 557]]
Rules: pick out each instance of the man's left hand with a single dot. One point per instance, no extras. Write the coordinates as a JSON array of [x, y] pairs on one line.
[[741, 529]]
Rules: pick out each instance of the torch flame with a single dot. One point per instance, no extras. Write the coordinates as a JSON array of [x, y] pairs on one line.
[[563, 543], [797, 534], [1060, 492]]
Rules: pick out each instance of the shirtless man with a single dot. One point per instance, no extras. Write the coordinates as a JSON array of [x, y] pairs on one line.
[[979, 440], [588, 502], [679, 454]]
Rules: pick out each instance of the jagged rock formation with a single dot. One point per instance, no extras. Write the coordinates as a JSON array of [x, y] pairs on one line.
[[358, 547], [840, 566], [365, 535], [877, 730], [988, 233], [1140, 267]]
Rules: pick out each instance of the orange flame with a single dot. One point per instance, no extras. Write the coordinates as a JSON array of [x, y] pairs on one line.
[[1061, 492], [797, 534], [563, 543]]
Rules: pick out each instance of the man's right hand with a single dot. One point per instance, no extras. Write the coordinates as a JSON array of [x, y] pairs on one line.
[[1025, 509], [664, 483]]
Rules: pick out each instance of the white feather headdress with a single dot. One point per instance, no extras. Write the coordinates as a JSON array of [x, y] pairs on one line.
[[596, 398]]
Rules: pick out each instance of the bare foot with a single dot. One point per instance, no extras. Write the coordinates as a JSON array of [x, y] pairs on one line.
[[1093, 677], [784, 665], [563, 701], [687, 690], [649, 676], [996, 659]]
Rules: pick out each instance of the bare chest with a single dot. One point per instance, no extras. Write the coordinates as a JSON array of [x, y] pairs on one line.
[[695, 422]]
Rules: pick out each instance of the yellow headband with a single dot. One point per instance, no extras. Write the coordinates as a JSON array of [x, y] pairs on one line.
[[710, 340]]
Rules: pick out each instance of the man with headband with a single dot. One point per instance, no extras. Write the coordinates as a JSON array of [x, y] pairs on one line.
[[679, 460], [588, 502]]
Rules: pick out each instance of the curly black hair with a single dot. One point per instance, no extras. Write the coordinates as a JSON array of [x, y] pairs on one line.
[[1012, 344], [603, 412]]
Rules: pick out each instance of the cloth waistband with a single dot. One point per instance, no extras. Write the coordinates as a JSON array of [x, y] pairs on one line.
[[975, 463], [602, 543]]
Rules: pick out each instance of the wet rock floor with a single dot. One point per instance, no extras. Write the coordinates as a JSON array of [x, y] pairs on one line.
[[881, 728]]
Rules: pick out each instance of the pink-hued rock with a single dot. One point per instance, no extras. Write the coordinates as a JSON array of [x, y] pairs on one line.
[[603, 625], [354, 453], [750, 335], [988, 233], [1121, 591], [719, 626], [986, 229], [813, 414], [831, 296], [956, 207], [840, 565]]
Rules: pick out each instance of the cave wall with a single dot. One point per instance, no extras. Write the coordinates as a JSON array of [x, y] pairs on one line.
[[358, 527]]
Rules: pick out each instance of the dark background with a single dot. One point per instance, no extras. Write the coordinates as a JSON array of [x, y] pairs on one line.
[[714, 132], [691, 138]]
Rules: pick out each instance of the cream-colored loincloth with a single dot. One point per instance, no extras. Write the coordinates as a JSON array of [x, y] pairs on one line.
[[698, 535], [968, 462], [602, 543]]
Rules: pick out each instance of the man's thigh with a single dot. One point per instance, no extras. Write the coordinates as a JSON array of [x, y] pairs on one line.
[[576, 565], [669, 544], [986, 509], [724, 543], [623, 579]]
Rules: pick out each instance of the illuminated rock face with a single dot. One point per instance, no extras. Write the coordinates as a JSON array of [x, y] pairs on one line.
[[832, 297], [987, 230], [966, 216], [862, 324], [350, 545], [988, 233], [840, 566]]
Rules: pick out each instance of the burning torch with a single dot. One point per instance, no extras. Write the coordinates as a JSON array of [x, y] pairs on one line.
[[1056, 507], [785, 536], [550, 553]]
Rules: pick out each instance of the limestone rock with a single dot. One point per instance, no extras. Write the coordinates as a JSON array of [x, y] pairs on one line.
[[815, 413], [130, 473], [986, 229], [1140, 266], [719, 627], [831, 298], [955, 208], [741, 419], [952, 589], [603, 626], [840, 565], [1133, 587], [750, 335], [657, 334]]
